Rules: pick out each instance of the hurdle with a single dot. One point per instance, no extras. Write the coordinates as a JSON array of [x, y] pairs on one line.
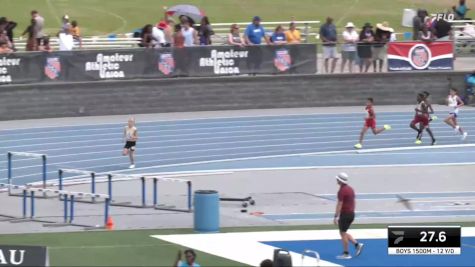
[[68, 210], [92, 176], [10, 156], [143, 192], [158, 206]]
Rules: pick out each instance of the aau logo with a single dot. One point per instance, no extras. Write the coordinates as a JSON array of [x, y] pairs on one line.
[[11, 257], [52, 68], [419, 56], [282, 60], [166, 64]]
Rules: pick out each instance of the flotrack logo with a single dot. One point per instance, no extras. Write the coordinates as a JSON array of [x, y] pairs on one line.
[[224, 62], [109, 65]]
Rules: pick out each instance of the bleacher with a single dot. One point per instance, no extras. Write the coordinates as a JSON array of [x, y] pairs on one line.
[[309, 30], [463, 38], [94, 42]]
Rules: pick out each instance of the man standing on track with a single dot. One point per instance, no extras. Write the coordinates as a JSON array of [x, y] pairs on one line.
[[345, 214], [130, 136]]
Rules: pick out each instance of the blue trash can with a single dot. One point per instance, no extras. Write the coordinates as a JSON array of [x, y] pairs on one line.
[[206, 211]]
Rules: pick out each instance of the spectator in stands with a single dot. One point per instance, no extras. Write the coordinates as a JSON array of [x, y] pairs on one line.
[[469, 29], [39, 24], [169, 30], [178, 38], [255, 32], [328, 35], [470, 87], [185, 19], [381, 37], [158, 35], [461, 10], [348, 51], [45, 45], [205, 31], [4, 49], [189, 33], [278, 37], [253, 35], [425, 35], [417, 22], [364, 49], [76, 32], [293, 34], [4, 38], [234, 36], [31, 43], [8, 26], [146, 36], [66, 26], [190, 259], [442, 30], [267, 263]]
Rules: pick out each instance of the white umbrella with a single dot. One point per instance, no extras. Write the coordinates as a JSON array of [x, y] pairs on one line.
[[193, 12]]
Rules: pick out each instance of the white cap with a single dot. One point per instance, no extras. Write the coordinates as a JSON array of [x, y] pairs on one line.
[[66, 17], [350, 25], [342, 177]]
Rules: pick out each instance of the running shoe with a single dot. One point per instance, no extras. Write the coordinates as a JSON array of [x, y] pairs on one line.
[[358, 146], [434, 142], [434, 118], [418, 142], [464, 136], [132, 166], [344, 256], [387, 127], [359, 248]]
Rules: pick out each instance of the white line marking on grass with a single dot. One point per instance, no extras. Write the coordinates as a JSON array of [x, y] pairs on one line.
[[53, 11], [348, 11], [122, 19]]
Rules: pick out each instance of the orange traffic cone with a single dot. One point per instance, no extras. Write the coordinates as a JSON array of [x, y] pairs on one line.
[[110, 223]]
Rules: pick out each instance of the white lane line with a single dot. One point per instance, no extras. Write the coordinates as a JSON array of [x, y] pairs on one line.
[[206, 150], [57, 129], [143, 133], [243, 169], [391, 149], [253, 118], [96, 139], [234, 148], [311, 167]]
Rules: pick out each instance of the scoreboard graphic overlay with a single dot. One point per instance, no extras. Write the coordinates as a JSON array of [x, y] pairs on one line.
[[424, 240]]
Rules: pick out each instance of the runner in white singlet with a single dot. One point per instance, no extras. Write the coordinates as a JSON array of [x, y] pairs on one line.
[[130, 138], [454, 102]]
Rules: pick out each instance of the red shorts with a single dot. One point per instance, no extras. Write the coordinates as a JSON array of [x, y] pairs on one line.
[[424, 120], [370, 123]]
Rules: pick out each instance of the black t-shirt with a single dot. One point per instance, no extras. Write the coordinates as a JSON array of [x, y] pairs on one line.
[[442, 28]]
